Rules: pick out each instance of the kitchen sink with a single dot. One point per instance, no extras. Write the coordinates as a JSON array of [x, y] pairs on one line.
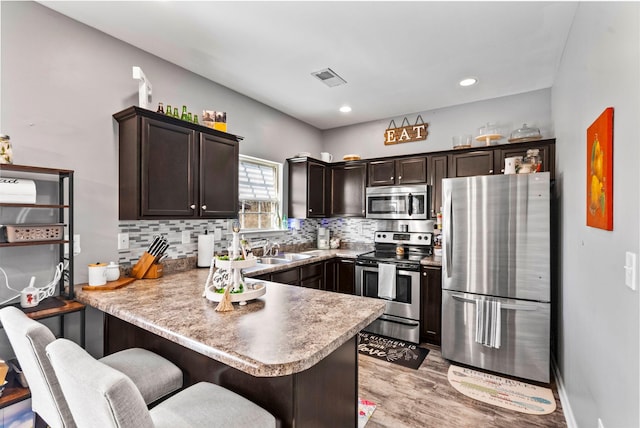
[[283, 258], [294, 256], [273, 260]]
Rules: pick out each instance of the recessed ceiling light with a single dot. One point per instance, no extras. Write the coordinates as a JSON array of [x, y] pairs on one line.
[[469, 81], [345, 109]]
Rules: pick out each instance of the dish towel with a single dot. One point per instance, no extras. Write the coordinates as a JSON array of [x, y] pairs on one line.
[[387, 281], [488, 323]]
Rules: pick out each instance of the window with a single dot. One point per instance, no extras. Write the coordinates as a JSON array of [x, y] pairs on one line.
[[260, 193]]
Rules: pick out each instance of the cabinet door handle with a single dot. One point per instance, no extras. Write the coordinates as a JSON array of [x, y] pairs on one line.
[[490, 171], [502, 170], [424, 274], [391, 178], [193, 206], [399, 177], [204, 207], [310, 210]]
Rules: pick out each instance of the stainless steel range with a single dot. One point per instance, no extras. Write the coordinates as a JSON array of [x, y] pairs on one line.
[[392, 272]]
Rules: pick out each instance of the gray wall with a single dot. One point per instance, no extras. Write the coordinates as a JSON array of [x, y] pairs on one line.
[[61, 83], [598, 348], [509, 113]]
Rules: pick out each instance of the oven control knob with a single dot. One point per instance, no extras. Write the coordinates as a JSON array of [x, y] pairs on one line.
[[384, 236], [419, 237]]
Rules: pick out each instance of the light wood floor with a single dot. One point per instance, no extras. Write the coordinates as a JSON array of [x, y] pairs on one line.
[[424, 398]]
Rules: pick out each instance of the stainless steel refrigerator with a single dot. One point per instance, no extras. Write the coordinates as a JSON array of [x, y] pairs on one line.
[[496, 275]]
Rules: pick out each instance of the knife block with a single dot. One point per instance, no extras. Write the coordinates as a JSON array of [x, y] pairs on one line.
[[155, 271], [142, 267]]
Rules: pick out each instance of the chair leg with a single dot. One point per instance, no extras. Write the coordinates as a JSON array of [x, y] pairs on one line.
[[39, 422]]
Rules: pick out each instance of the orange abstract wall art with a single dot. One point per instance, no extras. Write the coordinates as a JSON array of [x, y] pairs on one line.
[[600, 171]]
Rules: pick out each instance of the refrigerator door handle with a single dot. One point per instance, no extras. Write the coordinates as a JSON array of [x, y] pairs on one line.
[[503, 305], [449, 238]]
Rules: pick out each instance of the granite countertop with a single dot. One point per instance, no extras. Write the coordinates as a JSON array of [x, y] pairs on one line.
[[286, 331], [432, 261]]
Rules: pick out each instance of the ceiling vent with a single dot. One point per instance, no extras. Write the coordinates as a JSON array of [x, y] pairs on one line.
[[329, 77]]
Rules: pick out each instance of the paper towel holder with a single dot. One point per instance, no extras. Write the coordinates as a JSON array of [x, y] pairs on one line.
[[206, 247]]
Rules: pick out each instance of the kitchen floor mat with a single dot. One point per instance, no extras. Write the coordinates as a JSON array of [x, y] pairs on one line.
[[365, 410], [503, 392], [395, 351]]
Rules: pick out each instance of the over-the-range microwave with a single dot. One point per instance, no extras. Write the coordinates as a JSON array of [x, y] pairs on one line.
[[398, 202]]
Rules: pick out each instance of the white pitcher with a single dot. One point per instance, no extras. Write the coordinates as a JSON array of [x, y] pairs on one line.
[[326, 157]]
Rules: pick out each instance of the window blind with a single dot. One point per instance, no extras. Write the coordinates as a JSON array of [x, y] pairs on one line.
[[257, 182]]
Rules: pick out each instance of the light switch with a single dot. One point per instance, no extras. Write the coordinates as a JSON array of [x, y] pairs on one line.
[[217, 234], [186, 237], [630, 270]]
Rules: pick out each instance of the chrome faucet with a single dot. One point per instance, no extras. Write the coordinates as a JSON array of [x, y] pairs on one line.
[[270, 248], [266, 248], [275, 249]]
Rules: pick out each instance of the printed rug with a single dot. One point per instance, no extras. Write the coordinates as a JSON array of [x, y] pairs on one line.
[[507, 393], [396, 351], [365, 410]]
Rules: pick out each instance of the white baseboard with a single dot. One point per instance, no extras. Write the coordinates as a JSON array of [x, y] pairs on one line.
[[564, 399]]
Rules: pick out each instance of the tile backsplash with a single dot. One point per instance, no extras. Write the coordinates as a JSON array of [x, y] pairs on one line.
[[302, 234]]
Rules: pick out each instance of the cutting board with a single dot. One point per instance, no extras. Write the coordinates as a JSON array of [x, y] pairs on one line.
[[111, 285]]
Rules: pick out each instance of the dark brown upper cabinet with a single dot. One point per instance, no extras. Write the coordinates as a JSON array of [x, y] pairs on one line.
[[545, 151], [307, 188], [348, 184], [171, 169], [472, 163], [398, 171], [438, 169]]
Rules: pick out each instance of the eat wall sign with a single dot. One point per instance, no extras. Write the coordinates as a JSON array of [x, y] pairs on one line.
[[406, 133]]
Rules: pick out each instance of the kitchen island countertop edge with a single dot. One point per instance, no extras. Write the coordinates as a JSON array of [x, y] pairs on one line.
[[286, 331]]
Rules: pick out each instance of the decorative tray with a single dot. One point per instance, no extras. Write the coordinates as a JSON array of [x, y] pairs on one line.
[[524, 139], [252, 290], [235, 264]]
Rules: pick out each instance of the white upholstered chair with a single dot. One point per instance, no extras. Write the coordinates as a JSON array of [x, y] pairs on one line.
[[100, 396], [153, 375]]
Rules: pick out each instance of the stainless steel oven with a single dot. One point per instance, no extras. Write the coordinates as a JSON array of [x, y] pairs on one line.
[[401, 252], [398, 202]]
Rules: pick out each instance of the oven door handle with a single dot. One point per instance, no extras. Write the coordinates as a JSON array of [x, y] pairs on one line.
[[410, 207], [398, 320]]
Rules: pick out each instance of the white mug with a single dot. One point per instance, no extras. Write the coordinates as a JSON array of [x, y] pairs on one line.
[[31, 296], [98, 274], [326, 157]]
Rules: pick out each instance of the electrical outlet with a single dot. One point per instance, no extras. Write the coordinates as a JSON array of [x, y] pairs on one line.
[[123, 241], [76, 244], [630, 270], [217, 234], [600, 424], [186, 237]]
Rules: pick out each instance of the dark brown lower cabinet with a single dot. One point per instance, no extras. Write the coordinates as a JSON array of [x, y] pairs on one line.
[[312, 276], [324, 395], [430, 306], [340, 275], [332, 275]]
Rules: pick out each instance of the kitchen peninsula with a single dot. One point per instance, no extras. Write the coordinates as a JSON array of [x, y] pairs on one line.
[[293, 351]]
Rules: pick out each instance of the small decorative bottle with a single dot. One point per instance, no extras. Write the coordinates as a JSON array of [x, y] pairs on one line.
[[195, 119], [160, 108], [169, 110], [189, 117], [175, 113], [184, 116]]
